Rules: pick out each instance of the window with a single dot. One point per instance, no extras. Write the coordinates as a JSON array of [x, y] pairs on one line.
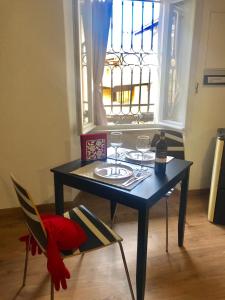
[[135, 59], [176, 59], [130, 77]]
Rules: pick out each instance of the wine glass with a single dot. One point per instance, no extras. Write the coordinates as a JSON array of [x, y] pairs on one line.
[[116, 141], [143, 145]]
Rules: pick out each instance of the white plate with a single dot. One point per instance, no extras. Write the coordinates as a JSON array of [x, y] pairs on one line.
[[113, 171], [137, 156]]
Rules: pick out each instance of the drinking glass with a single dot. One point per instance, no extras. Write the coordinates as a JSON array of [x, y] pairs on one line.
[[116, 141], [143, 145]]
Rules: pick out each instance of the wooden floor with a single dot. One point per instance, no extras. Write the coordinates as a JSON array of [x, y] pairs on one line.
[[196, 271]]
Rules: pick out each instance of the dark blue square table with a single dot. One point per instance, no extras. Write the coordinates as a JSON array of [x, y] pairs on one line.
[[141, 198]]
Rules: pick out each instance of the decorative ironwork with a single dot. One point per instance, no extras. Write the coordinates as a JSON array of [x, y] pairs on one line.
[[130, 77]]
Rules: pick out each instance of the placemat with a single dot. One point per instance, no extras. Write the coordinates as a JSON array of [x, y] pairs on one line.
[[88, 172]]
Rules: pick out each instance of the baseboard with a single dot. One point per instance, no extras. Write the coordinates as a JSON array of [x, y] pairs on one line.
[[14, 211], [42, 208], [194, 192], [50, 207], [199, 192]]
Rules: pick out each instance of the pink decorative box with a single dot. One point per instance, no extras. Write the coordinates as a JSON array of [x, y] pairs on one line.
[[93, 146]]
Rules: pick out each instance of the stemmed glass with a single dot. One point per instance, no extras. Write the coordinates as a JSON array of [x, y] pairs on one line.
[[143, 145], [116, 141]]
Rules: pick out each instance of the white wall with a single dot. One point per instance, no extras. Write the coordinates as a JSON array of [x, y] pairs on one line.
[[37, 115], [35, 125], [206, 109]]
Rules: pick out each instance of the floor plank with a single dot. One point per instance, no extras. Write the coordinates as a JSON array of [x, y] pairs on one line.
[[194, 272]]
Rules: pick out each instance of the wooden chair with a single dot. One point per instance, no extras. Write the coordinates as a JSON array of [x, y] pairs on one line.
[[175, 145], [98, 233]]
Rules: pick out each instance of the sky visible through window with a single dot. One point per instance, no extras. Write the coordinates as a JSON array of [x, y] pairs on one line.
[[149, 14]]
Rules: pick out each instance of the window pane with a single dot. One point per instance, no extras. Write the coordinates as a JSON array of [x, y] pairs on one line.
[[86, 62], [177, 65], [171, 109], [130, 79]]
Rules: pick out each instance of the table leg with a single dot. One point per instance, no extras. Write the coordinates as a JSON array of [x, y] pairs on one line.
[[182, 210], [142, 244], [59, 197]]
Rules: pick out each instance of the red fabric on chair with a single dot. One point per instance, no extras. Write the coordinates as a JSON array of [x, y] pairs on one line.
[[62, 234]]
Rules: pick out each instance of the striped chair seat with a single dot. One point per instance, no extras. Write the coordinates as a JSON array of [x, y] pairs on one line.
[[98, 233]]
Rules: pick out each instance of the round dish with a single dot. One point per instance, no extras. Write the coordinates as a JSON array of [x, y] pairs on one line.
[[113, 171], [137, 156]]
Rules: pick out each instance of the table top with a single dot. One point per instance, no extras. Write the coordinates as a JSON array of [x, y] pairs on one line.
[[145, 194]]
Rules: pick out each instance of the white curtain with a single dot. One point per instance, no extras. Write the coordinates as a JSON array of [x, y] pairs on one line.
[[101, 16]]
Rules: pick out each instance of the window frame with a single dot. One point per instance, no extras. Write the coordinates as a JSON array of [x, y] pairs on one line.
[[159, 120], [165, 66], [81, 127]]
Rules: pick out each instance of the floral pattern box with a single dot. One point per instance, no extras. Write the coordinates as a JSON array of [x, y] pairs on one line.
[[93, 146]]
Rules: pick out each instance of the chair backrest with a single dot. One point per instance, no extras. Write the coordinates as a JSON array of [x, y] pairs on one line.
[[174, 141], [32, 217]]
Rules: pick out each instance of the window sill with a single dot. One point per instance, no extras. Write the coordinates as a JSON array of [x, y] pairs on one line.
[[139, 127]]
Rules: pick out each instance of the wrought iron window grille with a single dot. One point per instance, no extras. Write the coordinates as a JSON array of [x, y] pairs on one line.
[[131, 64]]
